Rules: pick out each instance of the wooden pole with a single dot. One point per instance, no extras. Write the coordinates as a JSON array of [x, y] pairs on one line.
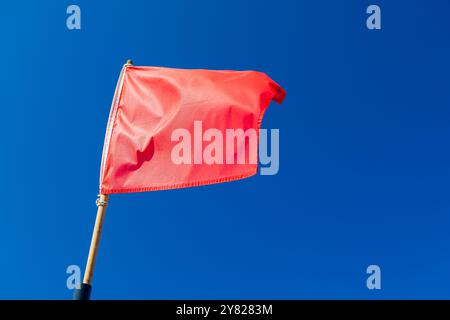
[[84, 292], [102, 203]]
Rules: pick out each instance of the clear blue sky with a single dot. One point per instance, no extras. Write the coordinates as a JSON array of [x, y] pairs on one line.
[[364, 142]]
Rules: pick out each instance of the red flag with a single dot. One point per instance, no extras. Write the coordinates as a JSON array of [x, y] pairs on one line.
[[175, 128]]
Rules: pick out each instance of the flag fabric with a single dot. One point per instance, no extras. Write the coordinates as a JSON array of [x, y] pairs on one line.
[[175, 128]]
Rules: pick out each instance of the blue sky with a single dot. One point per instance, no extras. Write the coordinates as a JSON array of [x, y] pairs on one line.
[[364, 152]]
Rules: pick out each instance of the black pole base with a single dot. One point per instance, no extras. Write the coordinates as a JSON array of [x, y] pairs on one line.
[[84, 293]]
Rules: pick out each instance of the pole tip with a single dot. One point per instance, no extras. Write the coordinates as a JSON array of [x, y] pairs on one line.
[[129, 62]]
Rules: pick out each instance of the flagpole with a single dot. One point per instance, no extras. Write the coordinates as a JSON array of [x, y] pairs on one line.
[[84, 292]]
